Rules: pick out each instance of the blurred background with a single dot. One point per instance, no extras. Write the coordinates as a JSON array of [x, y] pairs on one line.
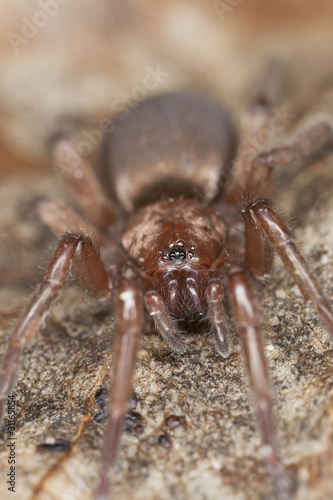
[[69, 60], [72, 64]]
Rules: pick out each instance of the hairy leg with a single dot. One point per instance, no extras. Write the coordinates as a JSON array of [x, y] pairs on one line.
[[72, 250], [313, 142], [129, 314], [246, 314], [259, 254], [279, 236]]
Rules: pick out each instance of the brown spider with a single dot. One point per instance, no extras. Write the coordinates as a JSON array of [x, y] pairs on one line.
[[184, 250]]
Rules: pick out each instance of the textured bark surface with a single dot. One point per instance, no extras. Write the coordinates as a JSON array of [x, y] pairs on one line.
[[68, 75]]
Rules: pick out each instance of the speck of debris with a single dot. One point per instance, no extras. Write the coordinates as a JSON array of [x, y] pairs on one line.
[[139, 428], [174, 421], [239, 421], [58, 445], [101, 397], [164, 440], [131, 419]]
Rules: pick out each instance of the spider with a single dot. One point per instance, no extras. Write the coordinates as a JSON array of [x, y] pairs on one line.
[[182, 249]]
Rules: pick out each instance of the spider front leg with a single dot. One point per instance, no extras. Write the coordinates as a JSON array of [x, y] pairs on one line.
[[266, 218], [246, 314], [129, 314], [73, 250]]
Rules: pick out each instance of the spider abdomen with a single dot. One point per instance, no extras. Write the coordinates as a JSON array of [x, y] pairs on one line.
[[170, 145]]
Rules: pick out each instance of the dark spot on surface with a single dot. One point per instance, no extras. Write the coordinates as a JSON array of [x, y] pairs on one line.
[[164, 440], [132, 420], [99, 417], [139, 428], [174, 421], [101, 397], [58, 445], [241, 422]]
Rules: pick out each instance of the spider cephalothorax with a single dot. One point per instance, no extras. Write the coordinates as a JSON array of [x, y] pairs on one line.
[[170, 250]]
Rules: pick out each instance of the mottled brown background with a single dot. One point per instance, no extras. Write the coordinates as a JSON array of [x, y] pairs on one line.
[[68, 74]]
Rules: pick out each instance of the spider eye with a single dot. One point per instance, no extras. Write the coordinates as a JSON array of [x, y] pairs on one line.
[[177, 254], [172, 255]]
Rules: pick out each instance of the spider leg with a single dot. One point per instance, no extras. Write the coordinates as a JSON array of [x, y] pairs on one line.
[[80, 177], [218, 317], [313, 141], [62, 219], [259, 254], [75, 251], [253, 138], [266, 217], [256, 131], [129, 314], [163, 322], [252, 170], [59, 217], [246, 314]]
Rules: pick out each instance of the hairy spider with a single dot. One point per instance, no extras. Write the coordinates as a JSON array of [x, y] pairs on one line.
[[183, 250]]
